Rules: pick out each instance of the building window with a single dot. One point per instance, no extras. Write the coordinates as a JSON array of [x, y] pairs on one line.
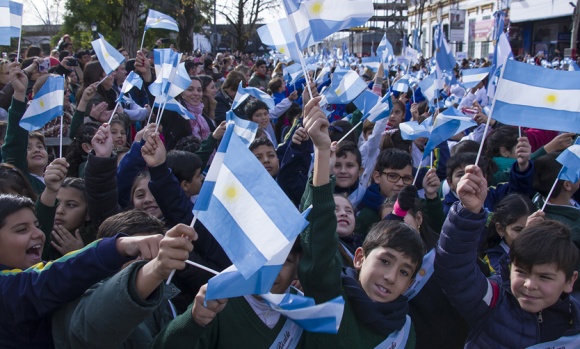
[[471, 45], [484, 49]]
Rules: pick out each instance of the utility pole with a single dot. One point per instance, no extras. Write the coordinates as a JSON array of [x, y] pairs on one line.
[[575, 25]]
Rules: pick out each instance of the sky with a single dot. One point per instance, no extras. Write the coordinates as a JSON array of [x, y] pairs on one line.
[[30, 16]]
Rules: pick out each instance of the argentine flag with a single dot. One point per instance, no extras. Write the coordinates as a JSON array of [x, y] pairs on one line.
[[385, 49], [245, 209], [532, 96], [321, 318], [158, 20], [412, 130], [46, 105], [175, 106], [402, 85], [446, 125], [11, 13], [345, 86], [317, 19], [132, 80], [278, 36], [570, 160], [108, 56], [171, 76], [381, 110], [366, 101], [429, 86], [245, 129], [471, 77], [244, 93]]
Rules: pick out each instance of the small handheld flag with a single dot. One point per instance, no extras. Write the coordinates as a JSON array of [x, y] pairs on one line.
[[108, 56], [158, 20], [46, 105]]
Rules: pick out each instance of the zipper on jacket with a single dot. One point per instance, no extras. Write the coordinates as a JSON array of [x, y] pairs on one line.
[[540, 318]]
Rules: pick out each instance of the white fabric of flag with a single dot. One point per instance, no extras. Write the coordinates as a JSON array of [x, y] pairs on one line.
[[471, 77], [108, 56], [46, 105], [446, 125], [381, 110], [245, 129], [158, 20], [132, 80], [11, 13], [238, 193], [532, 96], [173, 105], [278, 35], [345, 86]]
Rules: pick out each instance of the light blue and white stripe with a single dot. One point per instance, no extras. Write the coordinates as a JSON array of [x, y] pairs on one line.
[[46, 105]]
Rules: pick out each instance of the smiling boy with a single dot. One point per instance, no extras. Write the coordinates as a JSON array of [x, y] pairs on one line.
[[533, 305], [384, 267], [347, 169]]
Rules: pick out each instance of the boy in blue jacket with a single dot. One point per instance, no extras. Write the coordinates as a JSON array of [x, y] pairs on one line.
[[533, 305]]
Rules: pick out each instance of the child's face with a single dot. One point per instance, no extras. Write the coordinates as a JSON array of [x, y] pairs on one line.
[[21, 241], [119, 135], [262, 118], [511, 231], [286, 275], [384, 274], [143, 199], [267, 156], [37, 156], [539, 288], [367, 134], [193, 187], [345, 220], [396, 117], [389, 188], [455, 177], [346, 170], [71, 211]]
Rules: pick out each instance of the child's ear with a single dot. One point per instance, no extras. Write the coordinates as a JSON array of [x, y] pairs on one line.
[[499, 229], [504, 152], [568, 186], [376, 177], [359, 257], [183, 185], [87, 147], [570, 283]]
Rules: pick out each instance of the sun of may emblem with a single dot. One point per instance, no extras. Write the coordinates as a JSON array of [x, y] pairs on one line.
[[41, 103], [315, 7], [231, 192], [551, 98]]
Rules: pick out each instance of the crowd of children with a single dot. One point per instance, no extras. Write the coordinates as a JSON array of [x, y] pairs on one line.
[[461, 254]]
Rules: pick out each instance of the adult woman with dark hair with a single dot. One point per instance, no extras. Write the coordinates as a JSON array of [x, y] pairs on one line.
[[208, 98], [225, 96]]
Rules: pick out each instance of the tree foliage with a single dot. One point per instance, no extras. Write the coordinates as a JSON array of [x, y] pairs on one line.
[[243, 17]]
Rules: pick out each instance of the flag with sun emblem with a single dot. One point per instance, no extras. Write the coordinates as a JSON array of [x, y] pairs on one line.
[[244, 208], [158, 20], [278, 36], [317, 19], [46, 105], [537, 97], [108, 56]]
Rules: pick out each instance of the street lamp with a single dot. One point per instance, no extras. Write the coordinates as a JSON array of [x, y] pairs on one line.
[[94, 29]]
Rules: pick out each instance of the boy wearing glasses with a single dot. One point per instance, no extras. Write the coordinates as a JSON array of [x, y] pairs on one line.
[[393, 171]]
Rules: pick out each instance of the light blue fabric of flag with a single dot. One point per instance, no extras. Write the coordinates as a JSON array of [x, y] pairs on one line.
[[472, 77], [245, 129], [46, 105], [537, 97], [345, 86], [278, 36], [366, 101], [158, 20], [175, 106], [381, 110], [242, 196], [245, 92], [132, 80]]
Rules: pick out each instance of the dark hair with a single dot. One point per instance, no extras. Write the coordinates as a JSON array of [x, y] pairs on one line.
[[398, 236], [76, 183], [142, 175], [545, 243], [368, 126], [465, 146], [284, 122], [259, 142], [189, 143], [33, 51], [233, 80], [259, 62], [429, 236], [396, 159], [401, 105], [205, 81], [505, 136], [130, 222], [275, 84], [339, 128], [76, 155], [10, 203], [461, 160], [91, 74], [183, 164], [37, 135], [508, 211], [12, 180], [345, 147], [394, 139], [546, 170], [253, 106]]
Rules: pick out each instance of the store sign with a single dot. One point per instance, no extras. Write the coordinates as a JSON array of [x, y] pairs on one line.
[[483, 30], [457, 25]]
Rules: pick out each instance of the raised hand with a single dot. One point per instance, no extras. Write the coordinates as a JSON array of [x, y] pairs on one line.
[[153, 151], [102, 142], [55, 173], [204, 314], [19, 81], [472, 189], [316, 124], [299, 136], [218, 134], [523, 153], [145, 247], [431, 184]]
